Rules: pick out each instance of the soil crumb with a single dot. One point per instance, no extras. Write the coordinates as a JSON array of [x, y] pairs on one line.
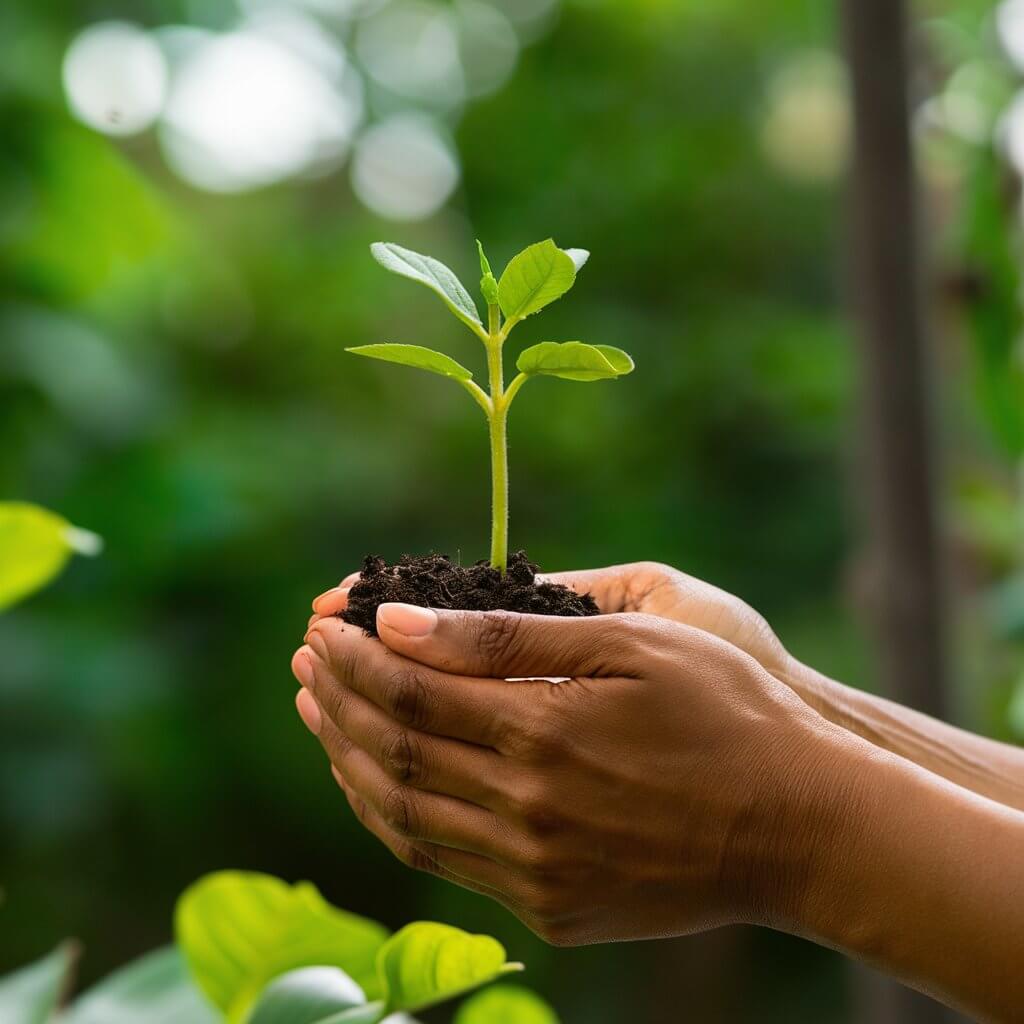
[[434, 581]]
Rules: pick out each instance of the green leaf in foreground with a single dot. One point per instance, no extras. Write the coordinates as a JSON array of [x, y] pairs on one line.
[[506, 1004], [31, 995], [534, 279], [417, 356], [35, 545], [238, 931], [310, 995], [427, 963], [573, 360], [430, 272], [155, 989]]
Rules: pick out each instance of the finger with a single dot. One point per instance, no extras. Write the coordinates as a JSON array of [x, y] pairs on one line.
[[505, 644], [332, 601], [481, 711], [350, 580], [469, 870], [419, 816], [434, 763]]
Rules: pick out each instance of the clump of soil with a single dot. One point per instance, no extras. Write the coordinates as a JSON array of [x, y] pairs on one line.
[[434, 581]]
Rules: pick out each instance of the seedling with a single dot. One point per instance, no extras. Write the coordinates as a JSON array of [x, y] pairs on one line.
[[535, 278]]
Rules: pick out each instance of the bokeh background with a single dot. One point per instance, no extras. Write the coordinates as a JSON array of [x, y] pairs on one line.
[[187, 192]]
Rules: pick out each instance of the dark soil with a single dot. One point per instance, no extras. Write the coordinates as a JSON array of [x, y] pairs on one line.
[[434, 581]]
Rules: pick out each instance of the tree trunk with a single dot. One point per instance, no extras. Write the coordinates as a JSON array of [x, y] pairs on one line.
[[907, 601]]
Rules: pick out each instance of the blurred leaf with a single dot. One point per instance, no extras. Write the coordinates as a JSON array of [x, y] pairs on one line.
[[506, 1004], [155, 989], [1015, 712], [30, 995], [309, 995], [415, 355], [239, 930], [426, 963], [534, 279], [573, 360], [994, 313], [96, 224], [430, 272], [34, 546]]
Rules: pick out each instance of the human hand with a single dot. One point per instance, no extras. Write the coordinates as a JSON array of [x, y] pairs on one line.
[[648, 588], [666, 787]]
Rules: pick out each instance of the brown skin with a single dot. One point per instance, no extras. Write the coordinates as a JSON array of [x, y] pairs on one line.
[[687, 775]]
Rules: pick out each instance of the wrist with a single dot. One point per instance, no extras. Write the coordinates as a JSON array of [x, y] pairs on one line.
[[792, 826]]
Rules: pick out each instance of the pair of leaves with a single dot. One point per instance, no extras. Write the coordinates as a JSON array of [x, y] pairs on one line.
[[241, 931], [538, 276], [35, 545], [570, 360], [532, 280]]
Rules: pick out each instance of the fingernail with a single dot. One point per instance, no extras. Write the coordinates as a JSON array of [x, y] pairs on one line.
[[302, 667], [409, 619], [349, 580], [332, 602], [308, 710], [338, 777], [318, 600]]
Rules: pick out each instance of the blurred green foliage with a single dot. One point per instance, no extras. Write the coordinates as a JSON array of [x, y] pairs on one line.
[[171, 375]]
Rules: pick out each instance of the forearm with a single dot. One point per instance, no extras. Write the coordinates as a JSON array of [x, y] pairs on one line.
[[919, 878], [986, 767]]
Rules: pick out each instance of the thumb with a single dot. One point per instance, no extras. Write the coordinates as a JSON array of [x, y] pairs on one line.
[[505, 645]]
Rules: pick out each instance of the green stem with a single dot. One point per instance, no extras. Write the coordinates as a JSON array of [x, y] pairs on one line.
[[498, 421]]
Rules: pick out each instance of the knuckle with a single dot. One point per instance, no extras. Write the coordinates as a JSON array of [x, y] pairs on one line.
[[420, 860], [543, 735], [401, 756], [536, 812], [407, 698], [397, 811], [497, 636]]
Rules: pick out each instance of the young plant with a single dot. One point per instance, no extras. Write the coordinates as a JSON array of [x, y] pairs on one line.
[[535, 278]]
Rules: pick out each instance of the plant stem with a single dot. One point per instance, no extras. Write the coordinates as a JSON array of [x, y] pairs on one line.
[[498, 419]]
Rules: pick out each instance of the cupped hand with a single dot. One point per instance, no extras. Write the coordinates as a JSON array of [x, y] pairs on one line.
[[664, 788], [648, 588]]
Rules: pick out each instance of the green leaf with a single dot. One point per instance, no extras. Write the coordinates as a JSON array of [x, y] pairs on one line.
[[308, 996], [155, 989], [430, 272], [621, 361], [535, 278], [35, 545], [417, 356], [426, 963], [238, 931], [506, 1004], [488, 283], [31, 995], [579, 257], [573, 360]]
